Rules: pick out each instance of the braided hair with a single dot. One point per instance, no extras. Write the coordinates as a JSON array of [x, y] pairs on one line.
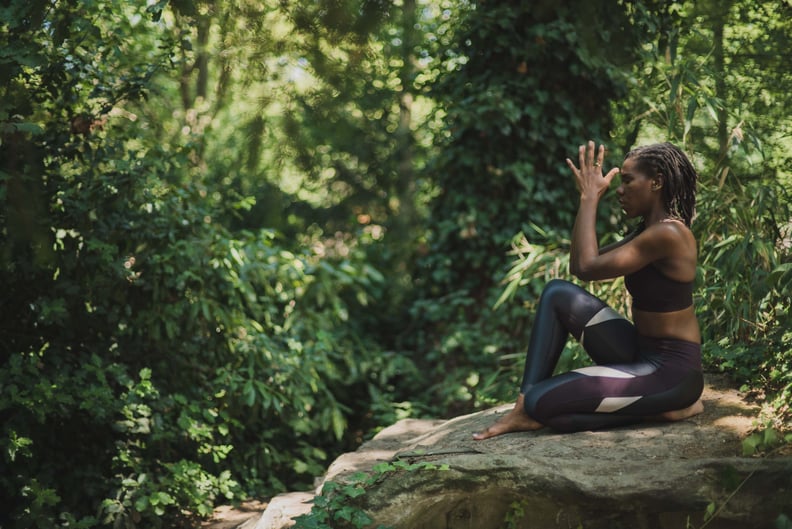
[[679, 177]]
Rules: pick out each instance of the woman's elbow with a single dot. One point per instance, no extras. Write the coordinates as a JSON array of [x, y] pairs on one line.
[[582, 273]]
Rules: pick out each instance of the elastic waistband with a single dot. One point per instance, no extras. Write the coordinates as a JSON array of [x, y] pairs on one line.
[[673, 344], [681, 352], [668, 345]]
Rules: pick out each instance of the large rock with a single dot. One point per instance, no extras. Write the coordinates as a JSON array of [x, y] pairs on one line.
[[655, 475]]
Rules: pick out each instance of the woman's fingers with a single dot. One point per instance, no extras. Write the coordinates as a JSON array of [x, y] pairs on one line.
[[589, 177], [590, 159], [611, 174], [589, 156]]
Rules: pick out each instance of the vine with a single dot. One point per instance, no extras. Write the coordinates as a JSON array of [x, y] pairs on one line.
[[339, 503]]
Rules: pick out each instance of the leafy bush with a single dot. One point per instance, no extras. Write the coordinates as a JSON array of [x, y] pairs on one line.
[[154, 363], [164, 350], [525, 84], [743, 226], [497, 174], [745, 297]]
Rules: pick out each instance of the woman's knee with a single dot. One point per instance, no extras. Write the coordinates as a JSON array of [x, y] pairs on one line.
[[561, 285], [558, 290], [572, 304]]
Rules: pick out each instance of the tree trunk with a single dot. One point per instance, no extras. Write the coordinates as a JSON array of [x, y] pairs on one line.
[[202, 56], [404, 186], [719, 22]]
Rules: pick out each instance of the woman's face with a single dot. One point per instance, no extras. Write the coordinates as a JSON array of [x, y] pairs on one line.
[[635, 192]]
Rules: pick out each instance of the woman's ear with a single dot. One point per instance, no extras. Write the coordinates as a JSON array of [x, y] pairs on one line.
[[657, 182]]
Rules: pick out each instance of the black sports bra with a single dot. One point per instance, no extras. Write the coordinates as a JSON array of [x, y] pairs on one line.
[[654, 292]]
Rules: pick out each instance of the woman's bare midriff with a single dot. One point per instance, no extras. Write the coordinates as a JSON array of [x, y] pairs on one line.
[[678, 325]]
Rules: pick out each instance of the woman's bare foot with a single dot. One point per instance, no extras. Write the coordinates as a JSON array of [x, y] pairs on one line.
[[514, 421], [686, 413]]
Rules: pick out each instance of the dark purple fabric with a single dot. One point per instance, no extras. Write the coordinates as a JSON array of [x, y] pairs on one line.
[[654, 292], [660, 374]]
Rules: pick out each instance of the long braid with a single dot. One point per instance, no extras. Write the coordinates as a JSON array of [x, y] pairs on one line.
[[679, 177]]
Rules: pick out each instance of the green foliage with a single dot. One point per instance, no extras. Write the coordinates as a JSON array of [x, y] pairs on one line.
[[236, 237], [250, 355], [525, 85], [764, 441], [678, 89], [154, 362], [337, 507], [515, 515], [745, 311], [686, 93]]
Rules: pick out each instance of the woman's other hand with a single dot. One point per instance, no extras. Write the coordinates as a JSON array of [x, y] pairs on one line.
[[590, 181]]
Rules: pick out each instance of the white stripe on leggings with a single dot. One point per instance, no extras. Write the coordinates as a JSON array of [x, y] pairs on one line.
[[611, 404], [602, 371], [605, 314]]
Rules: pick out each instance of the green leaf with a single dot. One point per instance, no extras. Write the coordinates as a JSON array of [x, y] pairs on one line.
[[142, 504], [710, 511], [339, 423], [354, 491], [30, 128], [750, 444]]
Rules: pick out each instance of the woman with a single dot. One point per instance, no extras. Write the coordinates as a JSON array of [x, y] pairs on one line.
[[650, 367]]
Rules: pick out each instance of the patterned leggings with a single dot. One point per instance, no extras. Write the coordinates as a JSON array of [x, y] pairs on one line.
[[635, 376]]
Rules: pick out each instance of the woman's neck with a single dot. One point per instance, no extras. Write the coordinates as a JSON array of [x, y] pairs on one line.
[[655, 216]]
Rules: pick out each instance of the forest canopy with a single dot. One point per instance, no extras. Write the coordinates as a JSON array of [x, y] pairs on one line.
[[239, 237]]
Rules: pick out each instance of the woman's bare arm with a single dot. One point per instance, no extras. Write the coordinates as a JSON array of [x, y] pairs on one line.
[[586, 260], [612, 246], [592, 185]]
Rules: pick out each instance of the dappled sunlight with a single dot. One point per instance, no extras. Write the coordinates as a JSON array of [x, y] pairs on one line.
[[240, 238]]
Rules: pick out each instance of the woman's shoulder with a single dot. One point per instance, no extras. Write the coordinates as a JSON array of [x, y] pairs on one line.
[[674, 244], [669, 229], [672, 236]]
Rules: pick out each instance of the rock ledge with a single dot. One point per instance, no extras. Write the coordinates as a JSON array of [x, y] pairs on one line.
[[655, 475]]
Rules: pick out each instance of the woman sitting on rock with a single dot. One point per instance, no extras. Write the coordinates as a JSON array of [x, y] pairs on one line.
[[650, 367]]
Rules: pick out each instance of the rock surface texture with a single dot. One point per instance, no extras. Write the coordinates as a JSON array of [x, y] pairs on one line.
[[654, 475]]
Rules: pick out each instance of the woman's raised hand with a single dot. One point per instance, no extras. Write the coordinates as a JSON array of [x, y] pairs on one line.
[[590, 181]]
